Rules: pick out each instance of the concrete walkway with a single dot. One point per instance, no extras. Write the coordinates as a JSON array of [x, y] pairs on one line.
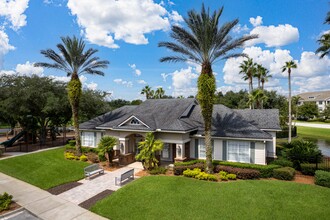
[[41, 203], [312, 125], [98, 184]]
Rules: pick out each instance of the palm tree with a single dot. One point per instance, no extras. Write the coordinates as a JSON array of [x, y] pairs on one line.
[[324, 41], [257, 96], [147, 91], [159, 93], [248, 68], [264, 77], [148, 150], [105, 147], [74, 60], [288, 66], [204, 42]]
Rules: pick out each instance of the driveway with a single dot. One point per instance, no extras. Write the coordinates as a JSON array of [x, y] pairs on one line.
[[312, 125]]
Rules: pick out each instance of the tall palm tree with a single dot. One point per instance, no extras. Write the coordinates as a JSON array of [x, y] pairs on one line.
[[147, 91], [74, 60], [159, 93], [264, 77], [324, 41], [258, 96], [204, 42], [288, 66], [248, 68]]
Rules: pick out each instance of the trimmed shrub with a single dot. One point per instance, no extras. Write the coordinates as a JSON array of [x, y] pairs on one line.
[[231, 176], [308, 169], [188, 163], [92, 157], [192, 173], [72, 143], [282, 162], [322, 178], [265, 171], [223, 175], [284, 173], [158, 170], [240, 173], [69, 156], [5, 201], [206, 176], [83, 158], [178, 170]]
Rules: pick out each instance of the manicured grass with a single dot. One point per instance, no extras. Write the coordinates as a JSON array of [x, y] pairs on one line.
[[45, 169], [163, 197], [314, 133]]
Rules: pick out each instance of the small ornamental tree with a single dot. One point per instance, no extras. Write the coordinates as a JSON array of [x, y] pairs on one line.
[[148, 149], [106, 147]]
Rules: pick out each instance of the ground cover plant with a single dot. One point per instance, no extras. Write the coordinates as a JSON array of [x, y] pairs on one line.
[[44, 169], [5, 201], [164, 197]]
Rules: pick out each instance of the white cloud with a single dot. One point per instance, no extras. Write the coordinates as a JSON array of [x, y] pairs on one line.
[[141, 81], [274, 36], [317, 83], [123, 82], [5, 46], [29, 69], [175, 17], [256, 21], [13, 12], [183, 82], [239, 29], [311, 65], [136, 71], [92, 86], [103, 22]]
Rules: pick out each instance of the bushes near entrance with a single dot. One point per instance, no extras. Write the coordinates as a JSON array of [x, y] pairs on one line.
[[198, 174], [322, 178], [158, 170], [282, 162], [178, 170], [284, 173]]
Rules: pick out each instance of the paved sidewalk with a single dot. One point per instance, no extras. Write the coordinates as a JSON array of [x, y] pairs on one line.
[[98, 184], [42, 203], [312, 125]]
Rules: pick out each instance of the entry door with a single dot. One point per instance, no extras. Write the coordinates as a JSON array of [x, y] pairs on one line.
[[167, 153]]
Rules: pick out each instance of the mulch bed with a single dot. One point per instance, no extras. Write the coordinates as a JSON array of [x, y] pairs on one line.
[[62, 188], [13, 206], [90, 202]]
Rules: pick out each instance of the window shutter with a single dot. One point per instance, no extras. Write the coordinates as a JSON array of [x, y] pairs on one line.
[[224, 150], [196, 148], [252, 152], [94, 139]]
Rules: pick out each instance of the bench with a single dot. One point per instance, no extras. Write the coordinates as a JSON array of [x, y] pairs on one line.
[[92, 169], [124, 176]]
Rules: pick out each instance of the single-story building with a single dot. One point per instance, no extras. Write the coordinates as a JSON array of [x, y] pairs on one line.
[[247, 135]]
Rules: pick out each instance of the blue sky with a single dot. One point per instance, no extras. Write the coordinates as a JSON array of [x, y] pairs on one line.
[[126, 32]]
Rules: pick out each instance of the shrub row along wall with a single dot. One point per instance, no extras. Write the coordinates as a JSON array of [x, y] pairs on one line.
[[265, 171]]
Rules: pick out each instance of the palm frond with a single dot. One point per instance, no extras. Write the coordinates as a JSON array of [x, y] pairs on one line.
[[173, 59]]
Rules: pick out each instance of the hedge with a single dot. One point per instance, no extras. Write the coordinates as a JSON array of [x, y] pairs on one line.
[[188, 163], [284, 173], [178, 170], [241, 173], [266, 171], [322, 178]]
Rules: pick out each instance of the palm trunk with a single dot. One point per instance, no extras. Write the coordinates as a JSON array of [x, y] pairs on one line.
[[206, 95], [290, 118], [259, 83], [250, 90], [74, 93]]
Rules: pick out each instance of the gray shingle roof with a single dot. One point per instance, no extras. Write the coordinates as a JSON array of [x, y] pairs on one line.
[[185, 115], [261, 118]]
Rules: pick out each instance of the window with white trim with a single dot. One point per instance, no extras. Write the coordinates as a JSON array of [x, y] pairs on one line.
[[238, 151], [88, 139]]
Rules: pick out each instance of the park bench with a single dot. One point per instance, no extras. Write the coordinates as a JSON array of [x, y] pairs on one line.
[[92, 169], [124, 176]]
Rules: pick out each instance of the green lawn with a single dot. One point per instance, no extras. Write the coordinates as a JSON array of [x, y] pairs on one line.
[[162, 197], [314, 133], [45, 169]]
